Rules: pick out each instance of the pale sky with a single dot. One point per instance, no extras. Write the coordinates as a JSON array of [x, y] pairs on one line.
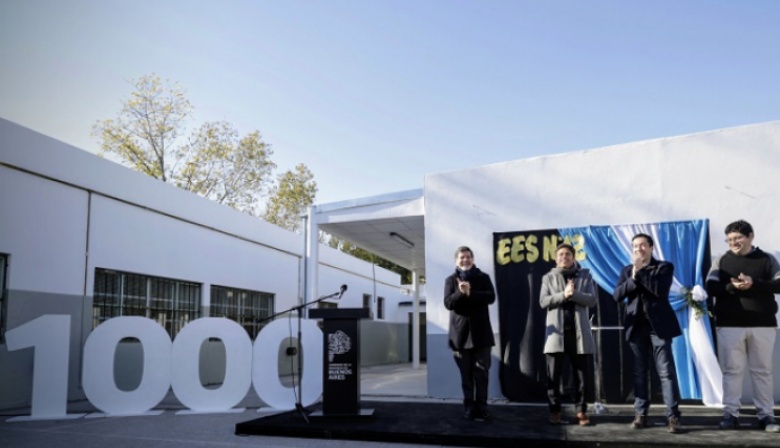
[[372, 95]]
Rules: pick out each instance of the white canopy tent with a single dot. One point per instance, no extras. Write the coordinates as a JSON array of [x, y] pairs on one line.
[[391, 226]]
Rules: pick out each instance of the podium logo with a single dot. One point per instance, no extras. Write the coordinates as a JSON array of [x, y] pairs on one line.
[[338, 344]]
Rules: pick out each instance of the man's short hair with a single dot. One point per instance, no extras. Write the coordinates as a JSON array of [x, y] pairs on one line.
[[566, 246], [464, 249], [646, 237], [740, 226]]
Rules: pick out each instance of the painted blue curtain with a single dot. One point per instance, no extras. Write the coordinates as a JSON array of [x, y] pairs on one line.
[[681, 243]]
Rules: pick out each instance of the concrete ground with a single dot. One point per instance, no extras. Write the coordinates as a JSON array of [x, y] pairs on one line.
[[388, 383]]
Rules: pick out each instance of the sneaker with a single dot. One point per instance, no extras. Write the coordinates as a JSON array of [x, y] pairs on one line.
[[674, 425], [640, 421], [469, 415], [768, 424], [729, 422], [583, 419], [482, 415], [555, 418]]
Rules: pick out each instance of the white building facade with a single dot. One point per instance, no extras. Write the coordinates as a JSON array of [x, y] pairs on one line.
[[89, 238]]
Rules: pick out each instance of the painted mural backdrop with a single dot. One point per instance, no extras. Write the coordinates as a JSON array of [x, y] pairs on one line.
[[523, 257]]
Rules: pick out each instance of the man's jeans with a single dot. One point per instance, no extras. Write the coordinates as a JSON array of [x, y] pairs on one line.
[[474, 365], [643, 342]]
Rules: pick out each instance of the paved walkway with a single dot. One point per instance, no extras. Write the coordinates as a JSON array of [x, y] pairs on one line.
[[389, 383], [196, 430]]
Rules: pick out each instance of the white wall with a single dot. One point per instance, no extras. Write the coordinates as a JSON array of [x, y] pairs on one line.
[[35, 214], [722, 175], [65, 212], [127, 238]]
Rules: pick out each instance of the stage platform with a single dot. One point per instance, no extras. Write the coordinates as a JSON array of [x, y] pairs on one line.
[[512, 426]]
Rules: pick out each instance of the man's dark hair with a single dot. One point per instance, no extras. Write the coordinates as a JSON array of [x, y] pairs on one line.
[[464, 249], [740, 226], [646, 237], [566, 246]]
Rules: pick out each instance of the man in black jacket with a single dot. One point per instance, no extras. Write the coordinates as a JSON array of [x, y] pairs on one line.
[[744, 282], [467, 294], [650, 326]]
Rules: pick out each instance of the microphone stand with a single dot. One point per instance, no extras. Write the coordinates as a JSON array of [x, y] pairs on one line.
[[297, 350]]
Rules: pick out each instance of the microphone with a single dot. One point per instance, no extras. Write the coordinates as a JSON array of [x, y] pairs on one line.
[[341, 291]]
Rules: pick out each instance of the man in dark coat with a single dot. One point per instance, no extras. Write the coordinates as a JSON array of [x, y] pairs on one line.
[[650, 326], [467, 294]]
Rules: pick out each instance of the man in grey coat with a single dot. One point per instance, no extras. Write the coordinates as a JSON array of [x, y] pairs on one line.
[[567, 293]]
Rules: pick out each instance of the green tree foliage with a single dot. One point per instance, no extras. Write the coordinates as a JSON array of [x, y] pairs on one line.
[[214, 162], [293, 193], [219, 165], [346, 246], [148, 125]]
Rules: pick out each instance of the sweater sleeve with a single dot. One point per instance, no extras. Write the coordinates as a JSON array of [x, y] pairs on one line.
[[771, 284], [714, 285]]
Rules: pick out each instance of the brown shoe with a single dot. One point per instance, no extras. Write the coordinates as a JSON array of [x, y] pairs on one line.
[[640, 421], [674, 425], [555, 418], [583, 419]]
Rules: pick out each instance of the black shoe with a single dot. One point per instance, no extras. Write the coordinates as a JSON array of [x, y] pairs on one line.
[[729, 422], [470, 414], [482, 415]]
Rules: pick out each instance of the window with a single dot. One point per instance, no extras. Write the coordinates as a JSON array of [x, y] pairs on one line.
[[3, 287], [367, 301], [171, 303], [380, 307], [249, 308]]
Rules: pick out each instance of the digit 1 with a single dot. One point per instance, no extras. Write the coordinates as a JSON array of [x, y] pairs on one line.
[[49, 335]]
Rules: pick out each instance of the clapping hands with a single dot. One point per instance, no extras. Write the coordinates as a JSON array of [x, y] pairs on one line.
[[743, 282], [464, 287], [569, 291]]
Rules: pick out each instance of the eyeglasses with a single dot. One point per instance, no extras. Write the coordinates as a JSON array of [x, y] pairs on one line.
[[735, 239]]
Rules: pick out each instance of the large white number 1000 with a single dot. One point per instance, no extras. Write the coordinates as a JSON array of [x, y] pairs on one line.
[[165, 364]]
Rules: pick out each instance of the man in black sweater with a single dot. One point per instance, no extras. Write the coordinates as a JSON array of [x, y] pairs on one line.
[[467, 294], [744, 281]]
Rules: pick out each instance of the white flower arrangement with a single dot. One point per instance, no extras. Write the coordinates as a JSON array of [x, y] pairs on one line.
[[695, 298]]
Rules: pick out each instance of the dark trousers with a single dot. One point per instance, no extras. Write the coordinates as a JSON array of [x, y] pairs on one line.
[[474, 364], [555, 365], [643, 343]]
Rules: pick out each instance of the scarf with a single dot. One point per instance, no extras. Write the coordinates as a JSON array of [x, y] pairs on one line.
[[568, 272], [466, 276]]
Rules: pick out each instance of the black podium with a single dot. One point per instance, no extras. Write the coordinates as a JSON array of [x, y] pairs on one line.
[[341, 362]]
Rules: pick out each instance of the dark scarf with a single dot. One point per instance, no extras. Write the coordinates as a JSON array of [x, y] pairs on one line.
[[569, 272], [467, 276]]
